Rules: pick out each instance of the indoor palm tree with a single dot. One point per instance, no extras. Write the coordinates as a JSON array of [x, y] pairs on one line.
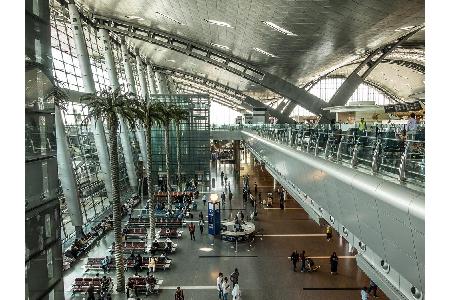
[[179, 114], [166, 119], [108, 105], [150, 113]]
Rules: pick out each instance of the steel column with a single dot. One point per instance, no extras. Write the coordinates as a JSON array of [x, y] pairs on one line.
[[141, 74], [127, 65], [353, 81], [124, 130], [89, 87], [151, 79], [140, 134], [160, 83], [66, 174]]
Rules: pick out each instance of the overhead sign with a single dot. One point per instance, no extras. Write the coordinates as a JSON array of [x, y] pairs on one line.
[[403, 107]]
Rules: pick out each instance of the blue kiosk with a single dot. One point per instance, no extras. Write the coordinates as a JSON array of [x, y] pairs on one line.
[[214, 215]]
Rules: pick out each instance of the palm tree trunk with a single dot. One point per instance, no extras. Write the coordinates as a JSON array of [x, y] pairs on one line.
[[151, 204], [114, 161], [166, 142], [178, 156]]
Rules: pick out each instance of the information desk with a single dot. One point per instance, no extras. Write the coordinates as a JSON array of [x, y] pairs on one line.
[[228, 232]]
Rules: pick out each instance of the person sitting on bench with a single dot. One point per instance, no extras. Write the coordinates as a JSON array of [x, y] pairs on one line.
[[150, 282], [152, 264], [105, 264], [104, 283]]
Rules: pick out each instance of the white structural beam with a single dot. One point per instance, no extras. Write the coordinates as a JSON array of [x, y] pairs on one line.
[[124, 130], [89, 87]]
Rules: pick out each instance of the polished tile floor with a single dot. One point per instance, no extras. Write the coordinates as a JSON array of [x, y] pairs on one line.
[[264, 267]]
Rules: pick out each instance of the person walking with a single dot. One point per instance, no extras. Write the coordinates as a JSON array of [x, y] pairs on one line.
[[191, 228], [256, 189], [236, 292], [230, 196], [200, 216], [362, 126], [295, 256], [201, 225], [90, 292], [179, 295], [373, 287], [234, 277], [204, 200], [221, 177], [219, 282], [303, 259], [334, 263], [411, 127], [222, 196], [364, 294], [329, 233], [226, 288]]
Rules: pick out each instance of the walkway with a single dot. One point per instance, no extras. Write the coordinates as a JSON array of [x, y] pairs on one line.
[[264, 267]]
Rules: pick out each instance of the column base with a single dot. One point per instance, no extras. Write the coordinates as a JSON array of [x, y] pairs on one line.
[[79, 232]]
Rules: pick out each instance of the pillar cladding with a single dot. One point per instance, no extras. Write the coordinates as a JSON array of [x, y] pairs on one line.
[[141, 74], [128, 71], [237, 157], [89, 87], [124, 130], [151, 80], [132, 85], [66, 175], [160, 83]]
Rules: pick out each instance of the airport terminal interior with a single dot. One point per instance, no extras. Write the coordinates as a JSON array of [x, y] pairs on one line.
[[212, 149]]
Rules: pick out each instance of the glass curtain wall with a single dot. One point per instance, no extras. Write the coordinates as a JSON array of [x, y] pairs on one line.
[[327, 87], [194, 141], [43, 255], [93, 198]]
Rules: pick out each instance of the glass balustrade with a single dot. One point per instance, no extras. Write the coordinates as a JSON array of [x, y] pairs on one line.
[[383, 150]]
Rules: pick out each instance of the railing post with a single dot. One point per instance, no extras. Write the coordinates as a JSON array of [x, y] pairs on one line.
[[327, 147], [316, 149], [354, 160], [402, 167], [376, 156]]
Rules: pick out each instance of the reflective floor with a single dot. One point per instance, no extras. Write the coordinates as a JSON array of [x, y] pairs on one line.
[[265, 269]]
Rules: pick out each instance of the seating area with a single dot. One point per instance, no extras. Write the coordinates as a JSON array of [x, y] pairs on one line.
[[162, 263], [162, 246], [167, 232], [81, 285], [148, 285], [82, 246]]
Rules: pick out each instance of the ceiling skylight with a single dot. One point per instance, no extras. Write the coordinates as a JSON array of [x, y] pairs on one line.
[[264, 52], [220, 46], [169, 17], [278, 28], [219, 23]]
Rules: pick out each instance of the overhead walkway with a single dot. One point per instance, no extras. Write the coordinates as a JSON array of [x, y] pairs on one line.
[[368, 186]]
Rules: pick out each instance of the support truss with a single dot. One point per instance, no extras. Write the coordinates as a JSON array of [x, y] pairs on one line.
[[215, 57]]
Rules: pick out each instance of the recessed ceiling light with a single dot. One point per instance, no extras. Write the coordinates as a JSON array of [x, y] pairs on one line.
[[219, 23], [206, 249], [405, 28], [220, 46], [264, 52], [169, 17], [170, 60], [278, 28], [134, 18]]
